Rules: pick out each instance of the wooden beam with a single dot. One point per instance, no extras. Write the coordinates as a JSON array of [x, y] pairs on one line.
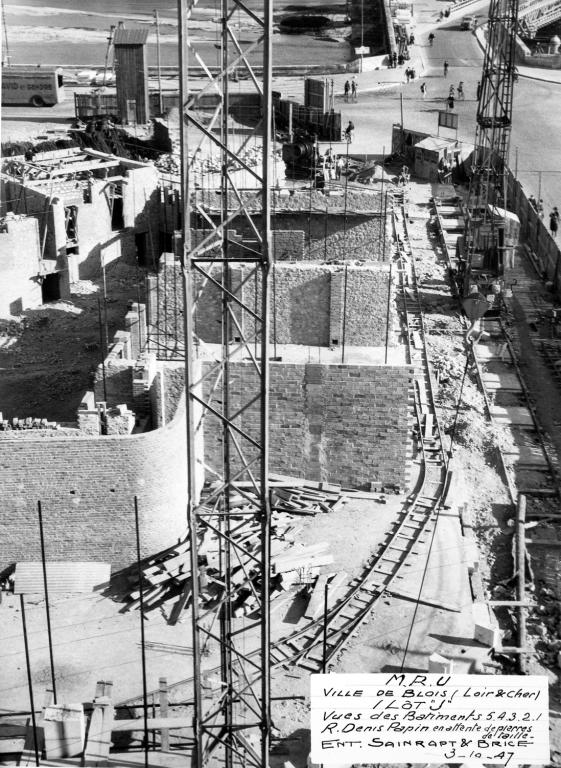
[[164, 712]]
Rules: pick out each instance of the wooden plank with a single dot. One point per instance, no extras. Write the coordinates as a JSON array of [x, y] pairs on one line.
[[317, 598], [154, 724], [181, 603]]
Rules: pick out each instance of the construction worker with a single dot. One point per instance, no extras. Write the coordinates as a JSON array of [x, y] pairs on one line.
[[445, 69], [431, 39], [461, 94]]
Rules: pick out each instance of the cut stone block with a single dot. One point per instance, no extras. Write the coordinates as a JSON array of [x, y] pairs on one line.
[[64, 730], [483, 631], [438, 663]]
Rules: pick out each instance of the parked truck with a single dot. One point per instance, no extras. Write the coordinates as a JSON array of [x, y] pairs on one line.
[[38, 86]]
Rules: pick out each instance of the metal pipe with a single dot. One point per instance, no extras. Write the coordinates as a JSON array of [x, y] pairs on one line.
[[29, 678], [142, 643], [47, 608]]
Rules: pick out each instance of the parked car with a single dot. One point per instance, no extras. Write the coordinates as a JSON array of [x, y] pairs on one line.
[[468, 22], [104, 78]]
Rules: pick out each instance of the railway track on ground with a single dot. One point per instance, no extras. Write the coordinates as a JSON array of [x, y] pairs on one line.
[[317, 645], [528, 461]]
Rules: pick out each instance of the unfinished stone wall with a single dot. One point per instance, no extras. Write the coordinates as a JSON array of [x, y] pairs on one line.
[[98, 244], [87, 487], [311, 304], [19, 266], [346, 424]]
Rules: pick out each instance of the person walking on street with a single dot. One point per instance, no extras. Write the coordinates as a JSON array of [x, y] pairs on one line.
[[461, 90], [452, 91], [431, 39], [553, 224], [450, 102], [349, 131], [445, 69], [354, 85], [424, 89], [347, 90], [556, 213]]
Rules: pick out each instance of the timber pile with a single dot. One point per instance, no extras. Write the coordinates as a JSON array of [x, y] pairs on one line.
[[305, 500], [167, 575]]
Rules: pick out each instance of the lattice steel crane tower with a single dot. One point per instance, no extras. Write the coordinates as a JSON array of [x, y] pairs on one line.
[[232, 700], [485, 225]]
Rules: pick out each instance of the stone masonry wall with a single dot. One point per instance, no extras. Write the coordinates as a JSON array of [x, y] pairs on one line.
[[310, 304], [19, 266], [344, 424], [87, 487]]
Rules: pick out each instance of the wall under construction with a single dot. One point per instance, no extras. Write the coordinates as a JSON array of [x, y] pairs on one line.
[[313, 304], [346, 424], [20, 287]]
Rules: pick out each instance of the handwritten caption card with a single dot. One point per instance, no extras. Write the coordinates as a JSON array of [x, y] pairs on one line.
[[429, 718]]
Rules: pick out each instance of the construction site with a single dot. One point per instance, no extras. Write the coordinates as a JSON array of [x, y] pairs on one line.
[[278, 396]]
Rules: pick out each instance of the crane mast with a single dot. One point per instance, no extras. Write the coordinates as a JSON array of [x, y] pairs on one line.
[[487, 201], [227, 390]]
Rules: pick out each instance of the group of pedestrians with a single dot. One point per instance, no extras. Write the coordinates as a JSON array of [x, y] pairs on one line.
[[351, 88]]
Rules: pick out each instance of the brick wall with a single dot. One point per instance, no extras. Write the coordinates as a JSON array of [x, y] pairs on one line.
[[87, 486], [19, 266], [345, 424]]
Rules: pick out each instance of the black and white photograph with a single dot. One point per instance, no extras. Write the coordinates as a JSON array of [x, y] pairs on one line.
[[280, 383]]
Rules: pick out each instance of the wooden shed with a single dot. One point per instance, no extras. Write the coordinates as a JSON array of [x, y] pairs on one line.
[[131, 70]]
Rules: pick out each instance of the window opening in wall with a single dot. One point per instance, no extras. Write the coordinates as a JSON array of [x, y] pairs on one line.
[[60, 80], [115, 197], [140, 241], [166, 242], [71, 224], [50, 288], [334, 342]]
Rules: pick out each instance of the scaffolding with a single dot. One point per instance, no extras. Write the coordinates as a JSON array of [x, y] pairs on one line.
[[232, 719], [487, 195]]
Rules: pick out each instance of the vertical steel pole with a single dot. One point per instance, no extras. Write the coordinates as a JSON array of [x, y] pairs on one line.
[[388, 313], [266, 255], [344, 315], [142, 643], [29, 678], [159, 63], [324, 648], [47, 608], [197, 758]]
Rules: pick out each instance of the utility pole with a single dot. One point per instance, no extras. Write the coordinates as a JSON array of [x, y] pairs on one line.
[[159, 63]]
